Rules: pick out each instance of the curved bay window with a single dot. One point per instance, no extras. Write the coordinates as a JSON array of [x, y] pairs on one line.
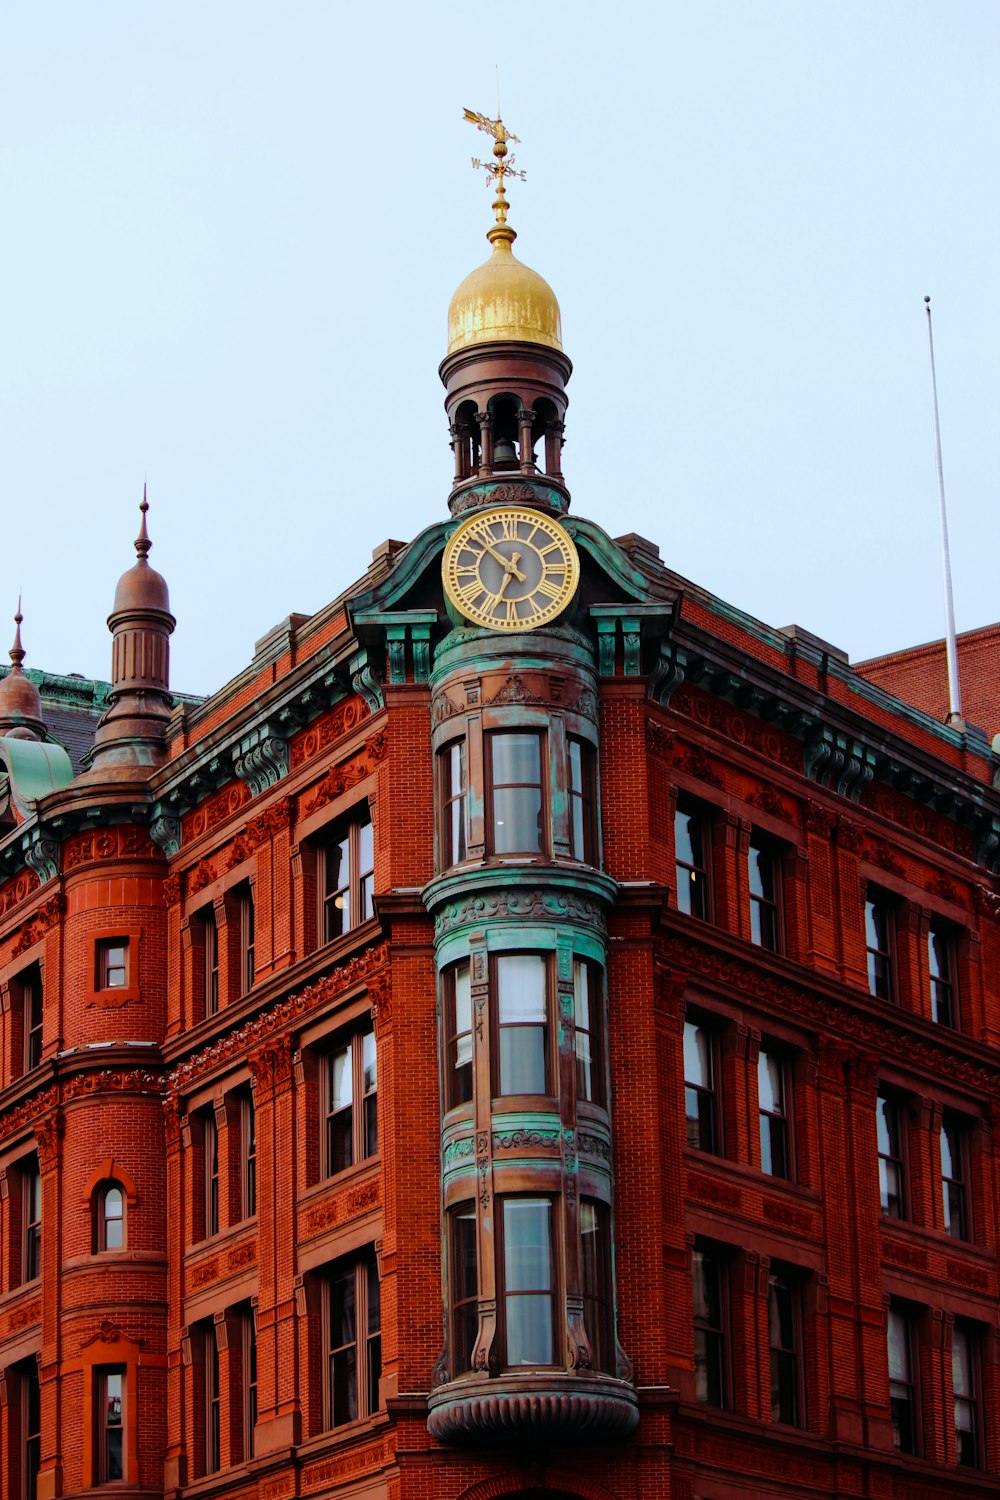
[[595, 1263], [455, 803], [458, 1081], [515, 824], [589, 1032], [527, 1266], [523, 1064], [582, 839], [464, 1286]]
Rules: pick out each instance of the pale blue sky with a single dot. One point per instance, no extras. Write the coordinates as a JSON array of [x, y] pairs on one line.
[[231, 231]]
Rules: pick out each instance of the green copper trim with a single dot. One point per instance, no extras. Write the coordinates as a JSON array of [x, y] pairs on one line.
[[35, 769]]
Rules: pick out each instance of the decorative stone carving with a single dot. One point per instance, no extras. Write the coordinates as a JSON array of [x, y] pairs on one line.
[[278, 1018], [261, 759], [165, 831], [39, 923], [843, 764], [380, 995], [17, 890], [542, 1407], [338, 722], [520, 906], [42, 854], [766, 798], [366, 677], [514, 690]]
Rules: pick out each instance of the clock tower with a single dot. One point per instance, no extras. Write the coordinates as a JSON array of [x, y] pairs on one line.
[[520, 898]]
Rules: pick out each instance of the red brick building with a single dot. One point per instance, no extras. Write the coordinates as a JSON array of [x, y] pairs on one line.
[[535, 1032]]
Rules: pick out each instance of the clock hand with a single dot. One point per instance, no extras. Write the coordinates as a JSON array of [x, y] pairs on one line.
[[509, 565], [513, 571], [506, 579]]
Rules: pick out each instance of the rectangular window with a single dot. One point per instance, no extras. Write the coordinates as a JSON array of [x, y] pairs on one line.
[[31, 1427], [953, 1178], [210, 929], [248, 1156], [353, 1341], [595, 1243], [522, 1024], [700, 1103], [783, 1339], [247, 939], [110, 1424], [464, 1286], [902, 1381], [941, 963], [878, 941], [347, 882], [31, 1220], [775, 1153], [30, 983], [112, 963], [210, 1142], [350, 1103], [589, 1032], [455, 803], [891, 1165], [582, 839], [711, 1362], [765, 895], [528, 1281], [213, 1401], [965, 1383], [248, 1371], [515, 762], [458, 1084], [691, 830]]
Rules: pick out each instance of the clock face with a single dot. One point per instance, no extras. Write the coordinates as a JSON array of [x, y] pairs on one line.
[[510, 569]]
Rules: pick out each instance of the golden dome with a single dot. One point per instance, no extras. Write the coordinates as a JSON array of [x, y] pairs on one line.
[[503, 300]]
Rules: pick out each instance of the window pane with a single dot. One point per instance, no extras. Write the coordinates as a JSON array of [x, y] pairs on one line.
[[112, 1416], [527, 1255], [517, 796], [529, 1330], [770, 1084], [459, 1081], [899, 1347], [961, 1363], [528, 1280], [340, 1079], [517, 820], [709, 1347], [465, 1285], [516, 758], [687, 836], [689, 840], [522, 1060], [697, 1055], [589, 1080], [523, 1032], [113, 1220], [521, 980]]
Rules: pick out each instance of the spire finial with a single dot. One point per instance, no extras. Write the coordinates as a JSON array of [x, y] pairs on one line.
[[17, 652], [499, 169], [142, 542]]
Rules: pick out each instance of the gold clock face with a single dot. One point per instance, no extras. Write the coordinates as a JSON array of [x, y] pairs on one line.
[[510, 569]]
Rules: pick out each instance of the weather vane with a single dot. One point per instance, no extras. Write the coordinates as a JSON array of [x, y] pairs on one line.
[[503, 166]]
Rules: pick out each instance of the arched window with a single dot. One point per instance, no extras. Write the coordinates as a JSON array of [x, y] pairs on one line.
[[110, 1216]]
